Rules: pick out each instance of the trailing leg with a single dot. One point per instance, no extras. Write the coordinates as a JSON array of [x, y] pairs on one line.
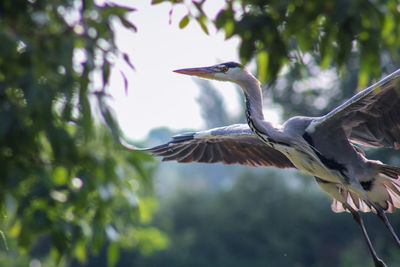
[[381, 215], [356, 216], [333, 190]]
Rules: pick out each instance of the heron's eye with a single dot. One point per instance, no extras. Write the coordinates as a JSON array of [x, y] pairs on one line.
[[224, 69]]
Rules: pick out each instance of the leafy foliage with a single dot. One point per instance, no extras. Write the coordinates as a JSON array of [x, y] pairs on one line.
[[275, 32], [68, 188], [65, 184]]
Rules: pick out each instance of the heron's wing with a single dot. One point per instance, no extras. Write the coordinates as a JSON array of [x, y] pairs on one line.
[[371, 117], [235, 144]]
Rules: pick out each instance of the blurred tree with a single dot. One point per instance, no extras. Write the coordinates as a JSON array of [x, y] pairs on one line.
[[264, 220], [67, 188], [213, 110]]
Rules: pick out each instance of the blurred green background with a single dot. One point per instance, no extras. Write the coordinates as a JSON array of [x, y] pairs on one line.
[[72, 195]]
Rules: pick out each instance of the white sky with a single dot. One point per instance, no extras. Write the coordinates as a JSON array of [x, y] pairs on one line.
[[157, 96]]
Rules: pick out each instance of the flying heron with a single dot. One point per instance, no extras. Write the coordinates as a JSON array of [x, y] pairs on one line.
[[325, 147]]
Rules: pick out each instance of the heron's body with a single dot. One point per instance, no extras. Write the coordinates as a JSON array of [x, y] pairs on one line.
[[351, 171], [324, 147], [291, 143], [305, 158]]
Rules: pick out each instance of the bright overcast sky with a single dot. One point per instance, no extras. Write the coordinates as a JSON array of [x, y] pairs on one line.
[[157, 96]]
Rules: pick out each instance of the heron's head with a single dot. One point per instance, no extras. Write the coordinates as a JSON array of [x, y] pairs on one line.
[[229, 71]]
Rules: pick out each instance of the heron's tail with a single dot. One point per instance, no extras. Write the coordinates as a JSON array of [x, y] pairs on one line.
[[390, 171], [385, 189]]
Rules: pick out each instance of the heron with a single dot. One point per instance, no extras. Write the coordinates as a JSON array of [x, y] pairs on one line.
[[325, 147]]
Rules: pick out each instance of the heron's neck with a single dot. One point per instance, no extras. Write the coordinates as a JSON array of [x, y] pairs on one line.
[[255, 117], [253, 99], [254, 113]]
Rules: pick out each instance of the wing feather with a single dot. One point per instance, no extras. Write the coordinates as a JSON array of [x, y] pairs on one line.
[[371, 117], [235, 144]]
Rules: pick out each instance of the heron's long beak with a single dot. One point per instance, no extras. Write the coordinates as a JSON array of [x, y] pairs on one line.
[[205, 72]]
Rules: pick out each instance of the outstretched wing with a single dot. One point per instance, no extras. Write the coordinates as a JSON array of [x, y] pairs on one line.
[[235, 144], [371, 117]]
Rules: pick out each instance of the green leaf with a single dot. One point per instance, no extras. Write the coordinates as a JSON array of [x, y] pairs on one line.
[[128, 24], [125, 81], [229, 28], [220, 20], [184, 22], [151, 239], [246, 50], [80, 252], [86, 115], [109, 119], [128, 61], [262, 65], [106, 73], [202, 21], [113, 252], [60, 176], [155, 2], [3, 237]]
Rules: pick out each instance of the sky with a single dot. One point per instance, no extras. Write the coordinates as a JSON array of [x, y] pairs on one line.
[[156, 96]]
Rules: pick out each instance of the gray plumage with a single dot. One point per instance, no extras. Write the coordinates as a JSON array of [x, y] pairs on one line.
[[234, 144], [371, 117], [324, 147]]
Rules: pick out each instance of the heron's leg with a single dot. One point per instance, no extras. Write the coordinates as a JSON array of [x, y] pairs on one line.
[[379, 211], [332, 190], [381, 215], [356, 216]]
